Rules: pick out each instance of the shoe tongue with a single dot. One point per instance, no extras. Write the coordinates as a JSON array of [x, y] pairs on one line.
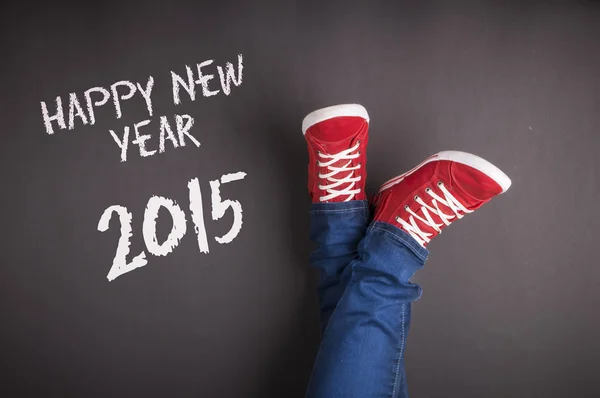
[[339, 175], [436, 218], [476, 187]]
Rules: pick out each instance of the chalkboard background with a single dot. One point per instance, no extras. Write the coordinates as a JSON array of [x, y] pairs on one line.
[[511, 298]]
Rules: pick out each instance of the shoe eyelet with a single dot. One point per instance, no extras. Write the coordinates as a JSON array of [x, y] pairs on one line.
[[416, 197], [397, 219], [427, 189], [440, 183], [358, 142], [406, 207]]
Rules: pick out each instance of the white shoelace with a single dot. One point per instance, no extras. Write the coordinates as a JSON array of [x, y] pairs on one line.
[[449, 201], [332, 192]]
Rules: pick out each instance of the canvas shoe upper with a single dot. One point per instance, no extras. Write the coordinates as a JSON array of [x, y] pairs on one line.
[[337, 139], [440, 190]]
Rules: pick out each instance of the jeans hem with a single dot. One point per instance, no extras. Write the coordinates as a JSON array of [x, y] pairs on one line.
[[402, 237], [339, 207]]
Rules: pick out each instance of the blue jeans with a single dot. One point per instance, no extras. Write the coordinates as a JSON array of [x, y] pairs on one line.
[[365, 298]]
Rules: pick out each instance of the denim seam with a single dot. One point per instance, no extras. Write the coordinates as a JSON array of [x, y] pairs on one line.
[[326, 331], [351, 282], [409, 244], [402, 339], [338, 210]]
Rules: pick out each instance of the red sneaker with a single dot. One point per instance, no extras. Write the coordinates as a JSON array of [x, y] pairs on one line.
[[337, 141], [443, 188]]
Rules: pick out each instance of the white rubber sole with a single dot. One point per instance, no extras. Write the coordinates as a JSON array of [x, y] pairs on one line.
[[333, 111], [465, 158]]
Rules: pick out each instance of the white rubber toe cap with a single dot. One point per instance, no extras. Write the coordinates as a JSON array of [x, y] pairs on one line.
[[333, 111]]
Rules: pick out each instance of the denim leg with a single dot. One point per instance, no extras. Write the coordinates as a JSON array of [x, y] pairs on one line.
[[336, 228], [362, 351]]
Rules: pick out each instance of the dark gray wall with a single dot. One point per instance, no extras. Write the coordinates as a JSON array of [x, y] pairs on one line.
[[511, 298]]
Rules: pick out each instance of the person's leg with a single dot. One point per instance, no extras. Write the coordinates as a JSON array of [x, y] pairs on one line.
[[337, 139], [362, 351], [336, 228]]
